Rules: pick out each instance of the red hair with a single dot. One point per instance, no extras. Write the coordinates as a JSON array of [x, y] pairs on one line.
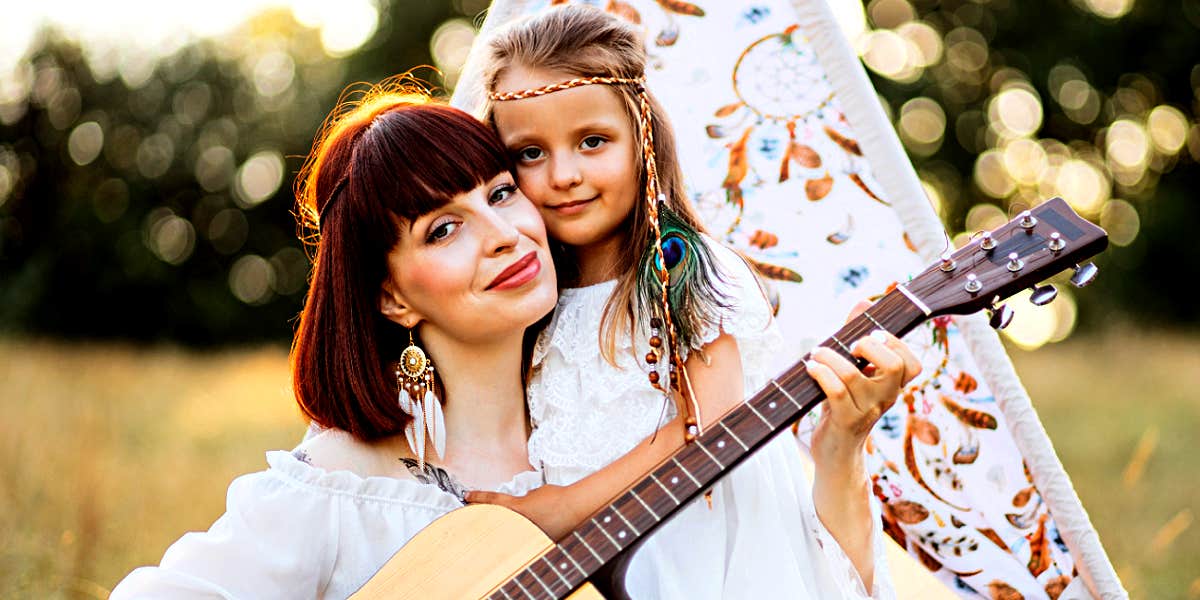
[[380, 160]]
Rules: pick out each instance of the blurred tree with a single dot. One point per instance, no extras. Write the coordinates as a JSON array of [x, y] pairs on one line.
[[1114, 95], [152, 199], [157, 205]]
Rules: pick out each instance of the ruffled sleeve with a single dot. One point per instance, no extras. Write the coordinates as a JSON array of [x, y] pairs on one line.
[[298, 531], [268, 544], [843, 570], [748, 318]]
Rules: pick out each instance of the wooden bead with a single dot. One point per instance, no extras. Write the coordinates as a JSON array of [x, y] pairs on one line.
[[655, 342], [656, 322], [651, 358], [654, 377]]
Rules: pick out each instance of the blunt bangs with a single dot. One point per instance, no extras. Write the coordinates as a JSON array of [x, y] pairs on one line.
[[417, 159]]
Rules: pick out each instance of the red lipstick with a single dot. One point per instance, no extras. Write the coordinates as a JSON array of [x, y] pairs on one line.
[[517, 274]]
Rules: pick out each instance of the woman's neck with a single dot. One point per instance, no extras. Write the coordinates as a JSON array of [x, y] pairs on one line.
[[483, 404]]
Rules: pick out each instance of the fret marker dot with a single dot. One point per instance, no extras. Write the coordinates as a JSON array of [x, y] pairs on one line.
[[674, 480], [621, 534], [563, 566], [721, 444], [771, 405], [607, 519]]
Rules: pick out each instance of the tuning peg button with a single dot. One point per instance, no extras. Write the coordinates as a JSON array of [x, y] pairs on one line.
[[1043, 294], [973, 286], [1084, 275], [988, 242], [1056, 242], [1015, 263], [1000, 316], [1028, 221]]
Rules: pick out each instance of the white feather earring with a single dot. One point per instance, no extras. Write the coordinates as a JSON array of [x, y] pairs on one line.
[[415, 385]]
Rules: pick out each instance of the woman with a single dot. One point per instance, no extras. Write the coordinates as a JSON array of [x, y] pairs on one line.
[[426, 255]]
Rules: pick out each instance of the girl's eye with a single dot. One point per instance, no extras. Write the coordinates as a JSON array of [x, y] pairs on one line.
[[503, 193], [442, 231], [529, 154], [592, 142]]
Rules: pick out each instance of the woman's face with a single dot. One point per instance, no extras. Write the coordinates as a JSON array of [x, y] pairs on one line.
[[474, 270]]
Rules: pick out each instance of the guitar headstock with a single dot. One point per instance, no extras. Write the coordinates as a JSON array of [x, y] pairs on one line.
[[1031, 248]]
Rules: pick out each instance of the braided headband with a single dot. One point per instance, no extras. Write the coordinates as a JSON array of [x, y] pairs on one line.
[[333, 194], [654, 199]]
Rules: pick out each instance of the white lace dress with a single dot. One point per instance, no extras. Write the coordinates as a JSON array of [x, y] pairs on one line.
[[297, 531], [762, 537]]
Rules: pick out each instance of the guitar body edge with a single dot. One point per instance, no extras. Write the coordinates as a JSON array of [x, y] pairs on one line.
[[466, 553]]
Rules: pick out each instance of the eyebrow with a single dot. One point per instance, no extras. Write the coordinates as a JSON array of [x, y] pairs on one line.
[[524, 138]]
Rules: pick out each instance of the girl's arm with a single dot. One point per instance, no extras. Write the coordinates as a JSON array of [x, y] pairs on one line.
[[717, 379]]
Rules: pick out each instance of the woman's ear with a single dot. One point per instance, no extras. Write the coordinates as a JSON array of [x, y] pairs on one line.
[[395, 308]]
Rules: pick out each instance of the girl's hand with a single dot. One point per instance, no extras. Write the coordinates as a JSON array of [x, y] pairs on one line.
[[549, 507], [857, 399]]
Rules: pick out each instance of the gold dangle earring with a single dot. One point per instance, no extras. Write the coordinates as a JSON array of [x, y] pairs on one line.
[[415, 385]]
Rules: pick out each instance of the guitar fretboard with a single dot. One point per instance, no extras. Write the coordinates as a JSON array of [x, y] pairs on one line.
[[692, 470]]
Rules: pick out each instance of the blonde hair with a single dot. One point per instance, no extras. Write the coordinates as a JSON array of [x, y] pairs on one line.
[[582, 41]]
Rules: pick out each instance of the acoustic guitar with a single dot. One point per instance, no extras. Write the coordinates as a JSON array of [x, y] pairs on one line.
[[485, 551]]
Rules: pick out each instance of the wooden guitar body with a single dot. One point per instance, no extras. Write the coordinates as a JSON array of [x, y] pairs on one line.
[[463, 555]]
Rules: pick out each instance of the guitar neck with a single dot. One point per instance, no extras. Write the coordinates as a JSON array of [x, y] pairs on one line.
[[694, 468]]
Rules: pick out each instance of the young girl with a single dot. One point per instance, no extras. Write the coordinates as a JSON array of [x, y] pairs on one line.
[[595, 153]]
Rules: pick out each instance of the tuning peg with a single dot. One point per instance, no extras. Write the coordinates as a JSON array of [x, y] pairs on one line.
[[1084, 275], [1042, 295], [999, 316]]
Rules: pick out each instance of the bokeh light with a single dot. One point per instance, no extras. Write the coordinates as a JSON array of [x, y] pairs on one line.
[[85, 143], [171, 238], [1120, 219], [1083, 186], [251, 279], [1015, 112], [259, 177], [450, 44], [1168, 129], [922, 125], [1034, 326]]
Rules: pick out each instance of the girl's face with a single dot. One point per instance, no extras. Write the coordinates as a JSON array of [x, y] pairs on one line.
[[475, 269], [575, 152]]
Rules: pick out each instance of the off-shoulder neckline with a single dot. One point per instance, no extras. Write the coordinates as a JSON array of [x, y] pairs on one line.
[[286, 465]]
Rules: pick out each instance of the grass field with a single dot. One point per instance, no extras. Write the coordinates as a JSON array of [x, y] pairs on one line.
[[110, 453]]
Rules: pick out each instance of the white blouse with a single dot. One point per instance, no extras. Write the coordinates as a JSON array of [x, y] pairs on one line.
[[762, 537], [298, 531]]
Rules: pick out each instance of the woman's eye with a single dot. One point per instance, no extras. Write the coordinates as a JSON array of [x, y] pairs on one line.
[[442, 231], [529, 154], [503, 193], [592, 142]]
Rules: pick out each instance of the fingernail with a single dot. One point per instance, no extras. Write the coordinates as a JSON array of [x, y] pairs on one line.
[[880, 335], [810, 364]]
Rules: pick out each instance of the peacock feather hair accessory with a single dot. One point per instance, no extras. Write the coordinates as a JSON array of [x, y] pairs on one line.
[[678, 270]]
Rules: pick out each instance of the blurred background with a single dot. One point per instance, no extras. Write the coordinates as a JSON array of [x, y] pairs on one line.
[[150, 272]]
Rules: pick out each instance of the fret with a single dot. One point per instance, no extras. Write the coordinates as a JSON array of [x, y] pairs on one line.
[[626, 521], [557, 572], [643, 503], [605, 532], [872, 319], [714, 459], [533, 574], [505, 593], [844, 347], [665, 489], [567, 554], [686, 472], [759, 415], [588, 546], [522, 586], [786, 394], [733, 435]]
